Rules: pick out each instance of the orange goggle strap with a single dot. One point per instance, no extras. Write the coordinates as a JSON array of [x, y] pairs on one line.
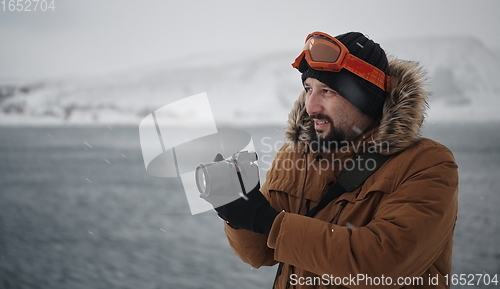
[[367, 71], [346, 60]]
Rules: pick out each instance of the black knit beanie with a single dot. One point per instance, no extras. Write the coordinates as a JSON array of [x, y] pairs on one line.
[[363, 94]]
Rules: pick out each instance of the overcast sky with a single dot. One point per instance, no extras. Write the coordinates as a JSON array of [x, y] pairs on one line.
[[91, 37]]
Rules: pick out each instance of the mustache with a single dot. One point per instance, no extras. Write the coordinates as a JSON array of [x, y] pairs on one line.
[[320, 116]]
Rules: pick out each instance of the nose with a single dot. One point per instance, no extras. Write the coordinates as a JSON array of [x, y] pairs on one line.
[[314, 103]]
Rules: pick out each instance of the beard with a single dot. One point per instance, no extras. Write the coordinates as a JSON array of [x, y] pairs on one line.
[[335, 138]]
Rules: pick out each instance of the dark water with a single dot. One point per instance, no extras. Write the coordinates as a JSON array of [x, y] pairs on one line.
[[78, 210]]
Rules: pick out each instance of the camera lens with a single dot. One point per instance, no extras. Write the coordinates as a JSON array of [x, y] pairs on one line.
[[202, 180]]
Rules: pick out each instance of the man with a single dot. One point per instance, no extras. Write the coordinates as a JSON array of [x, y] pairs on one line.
[[396, 229]]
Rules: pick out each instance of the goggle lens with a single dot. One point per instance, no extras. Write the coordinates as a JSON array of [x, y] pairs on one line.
[[322, 50]]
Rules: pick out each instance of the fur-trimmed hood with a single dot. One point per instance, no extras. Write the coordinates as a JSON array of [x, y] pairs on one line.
[[402, 117]]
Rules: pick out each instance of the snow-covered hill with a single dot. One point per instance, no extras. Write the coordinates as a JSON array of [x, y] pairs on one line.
[[464, 79], [464, 76]]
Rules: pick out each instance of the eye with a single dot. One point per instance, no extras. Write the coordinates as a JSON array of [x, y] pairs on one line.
[[329, 92], [307, 89]]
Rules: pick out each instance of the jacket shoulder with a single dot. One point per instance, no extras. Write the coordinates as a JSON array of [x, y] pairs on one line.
[[430, 151], [426, 157]]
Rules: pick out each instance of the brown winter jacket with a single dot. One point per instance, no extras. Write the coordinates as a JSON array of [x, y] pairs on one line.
[[399, 224]]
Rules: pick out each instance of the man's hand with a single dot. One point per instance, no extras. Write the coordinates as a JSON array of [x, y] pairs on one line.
[[254, 214]]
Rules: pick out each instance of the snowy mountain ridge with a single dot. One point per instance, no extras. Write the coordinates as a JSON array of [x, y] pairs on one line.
[[259, 89]]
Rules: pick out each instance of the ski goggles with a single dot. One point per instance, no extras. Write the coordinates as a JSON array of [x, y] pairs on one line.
[[326, 53]]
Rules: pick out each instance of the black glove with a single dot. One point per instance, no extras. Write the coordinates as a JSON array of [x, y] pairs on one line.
[[254, 214]]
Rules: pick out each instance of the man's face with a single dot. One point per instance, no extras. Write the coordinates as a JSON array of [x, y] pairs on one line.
[[334, 117]]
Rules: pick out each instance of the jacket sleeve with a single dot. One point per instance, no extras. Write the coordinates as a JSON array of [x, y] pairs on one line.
[[406, 235], [250, 247]]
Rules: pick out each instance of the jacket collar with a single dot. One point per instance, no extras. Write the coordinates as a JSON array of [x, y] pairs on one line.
[[402, 117]]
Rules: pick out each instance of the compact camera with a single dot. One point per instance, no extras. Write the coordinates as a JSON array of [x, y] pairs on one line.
[[231, 177]]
